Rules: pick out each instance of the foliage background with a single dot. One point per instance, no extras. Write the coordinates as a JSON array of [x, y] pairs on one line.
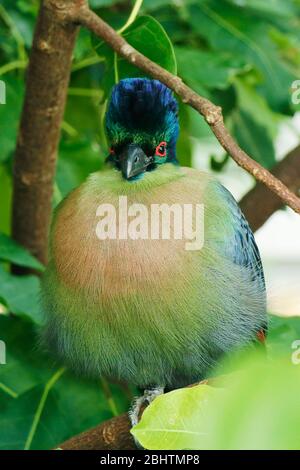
[[242, 54]]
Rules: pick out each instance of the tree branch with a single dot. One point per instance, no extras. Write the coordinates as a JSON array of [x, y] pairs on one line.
[[113, 434], [211, 113], [260, 203], [35, 156]]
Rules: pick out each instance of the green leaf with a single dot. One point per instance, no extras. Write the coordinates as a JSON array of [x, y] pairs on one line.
[[272, 7], [21, 294], [154, 4], [288, 47], [253, 138], [40, 404], [218, 164], [184, 144], [48, 414], [6, 197], [77, 159], [283, 332], [102, 3], [83, 45], [176, 420], [14, 253], [9, 116], [78, 107], [256, 105], [260, 409], [147, 36], [207, 69], [228, 28], [26, 365]]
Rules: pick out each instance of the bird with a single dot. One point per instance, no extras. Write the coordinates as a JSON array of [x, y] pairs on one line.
[[139, 309]]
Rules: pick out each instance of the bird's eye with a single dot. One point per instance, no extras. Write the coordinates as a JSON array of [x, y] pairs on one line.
[[112, 151], [161, 149]]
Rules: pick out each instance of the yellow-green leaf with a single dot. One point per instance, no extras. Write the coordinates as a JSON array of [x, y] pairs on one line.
[[176, 420]]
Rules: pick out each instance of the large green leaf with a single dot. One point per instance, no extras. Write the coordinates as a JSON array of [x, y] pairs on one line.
[[14, 253], [147, 36], [176, 420]]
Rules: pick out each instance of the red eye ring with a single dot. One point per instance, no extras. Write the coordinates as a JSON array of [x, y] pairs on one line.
[[161, 149], [111, 151]]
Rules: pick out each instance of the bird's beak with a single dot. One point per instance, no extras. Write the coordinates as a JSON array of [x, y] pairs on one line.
[[133, 161]]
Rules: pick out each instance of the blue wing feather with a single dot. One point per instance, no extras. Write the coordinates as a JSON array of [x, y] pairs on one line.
[[243, 249]]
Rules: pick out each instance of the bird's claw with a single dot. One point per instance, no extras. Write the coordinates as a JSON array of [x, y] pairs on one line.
[[139, 402], [138, 405]]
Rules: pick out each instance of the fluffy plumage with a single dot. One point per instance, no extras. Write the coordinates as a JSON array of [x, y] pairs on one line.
[[148, 311]]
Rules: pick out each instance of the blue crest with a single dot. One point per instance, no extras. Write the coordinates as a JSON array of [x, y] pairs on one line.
[[142, 105]]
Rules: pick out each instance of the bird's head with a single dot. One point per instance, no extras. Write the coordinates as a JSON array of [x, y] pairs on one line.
[[142, 126]]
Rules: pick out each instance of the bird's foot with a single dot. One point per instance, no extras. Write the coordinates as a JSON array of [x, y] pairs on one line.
[[138, 405], [144, 400]]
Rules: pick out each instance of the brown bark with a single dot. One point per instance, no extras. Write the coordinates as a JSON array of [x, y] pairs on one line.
[[260, 203], [35, 158], [113, 434]]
